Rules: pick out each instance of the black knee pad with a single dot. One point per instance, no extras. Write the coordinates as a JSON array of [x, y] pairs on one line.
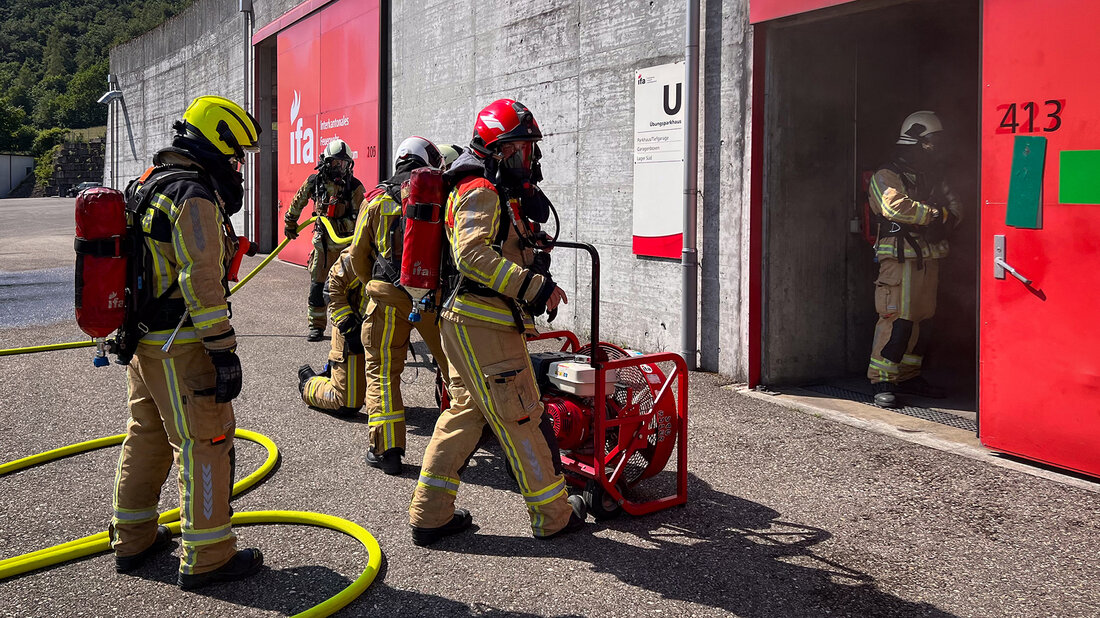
[[316, 294], [894, 349]]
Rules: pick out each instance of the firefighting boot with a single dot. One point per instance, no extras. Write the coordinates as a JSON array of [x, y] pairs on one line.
[[245, 563], [427, 536], [305, 372], [920, 387], [576, 519], [389, 462], [125, 564], [885, 394], [315, 334]]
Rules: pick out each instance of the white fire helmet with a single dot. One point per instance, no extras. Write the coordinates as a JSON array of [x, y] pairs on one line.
[[419, 148], [336, 149], [919, 125]]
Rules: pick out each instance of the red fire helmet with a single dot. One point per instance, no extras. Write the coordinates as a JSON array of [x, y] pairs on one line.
[[504, 120]]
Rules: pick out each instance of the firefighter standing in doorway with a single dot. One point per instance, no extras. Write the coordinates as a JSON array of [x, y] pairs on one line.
[[341, 386], [180, 399], [337, 195], [376, 259], [483, 321], [916, 212]]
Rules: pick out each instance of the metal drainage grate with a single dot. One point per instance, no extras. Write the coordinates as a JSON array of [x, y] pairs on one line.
[[928, 414]]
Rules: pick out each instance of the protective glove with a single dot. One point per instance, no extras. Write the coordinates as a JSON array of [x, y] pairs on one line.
[[228, 380], [290, 231], [352, 330]]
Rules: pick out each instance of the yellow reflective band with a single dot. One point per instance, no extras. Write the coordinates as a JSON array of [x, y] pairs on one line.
[[546, 496], [912, 360], [160, 337]]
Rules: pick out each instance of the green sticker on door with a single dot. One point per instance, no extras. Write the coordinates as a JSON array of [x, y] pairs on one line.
[[1025, 189], [1079, 181]]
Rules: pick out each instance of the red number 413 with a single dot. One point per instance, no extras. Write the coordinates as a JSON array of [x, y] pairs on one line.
[[1022, 119]]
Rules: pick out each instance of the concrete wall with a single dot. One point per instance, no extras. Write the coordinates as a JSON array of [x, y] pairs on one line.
[[572, 62], [200, 51], [13, 169]]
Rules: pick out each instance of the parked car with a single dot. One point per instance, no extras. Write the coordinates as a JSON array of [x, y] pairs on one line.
[[75, 191]]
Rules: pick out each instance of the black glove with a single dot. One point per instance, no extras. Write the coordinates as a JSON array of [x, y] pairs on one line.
[[352, 330], [537, 306], [228, 380]]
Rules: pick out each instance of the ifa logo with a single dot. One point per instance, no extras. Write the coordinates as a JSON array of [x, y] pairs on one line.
[[301, 140], [113, 301], [420, 270]]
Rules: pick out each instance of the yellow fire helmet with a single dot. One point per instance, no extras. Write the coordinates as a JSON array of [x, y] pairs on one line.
[[223, 123]]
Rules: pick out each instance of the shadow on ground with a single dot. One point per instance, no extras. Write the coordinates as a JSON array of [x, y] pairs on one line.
[[721, 551]]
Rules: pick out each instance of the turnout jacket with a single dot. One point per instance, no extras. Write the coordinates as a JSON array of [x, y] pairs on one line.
[[345, 291], [190, 241], [487, 250], [346, 199], [909, 201], [372, 241]]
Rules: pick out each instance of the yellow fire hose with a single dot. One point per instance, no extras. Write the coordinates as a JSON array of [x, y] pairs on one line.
[[340, 240], [100, 542]]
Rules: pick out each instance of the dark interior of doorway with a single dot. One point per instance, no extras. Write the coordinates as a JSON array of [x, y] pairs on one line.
[[839, 84], [266, 167]]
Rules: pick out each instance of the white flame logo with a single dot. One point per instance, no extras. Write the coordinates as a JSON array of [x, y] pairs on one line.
[[295, 106], [491, 121]]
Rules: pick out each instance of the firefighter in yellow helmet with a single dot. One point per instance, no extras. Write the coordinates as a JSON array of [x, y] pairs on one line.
[[376, 259], [337, 195], [916, 212], [180, 398], [341, 386], [488, 219]]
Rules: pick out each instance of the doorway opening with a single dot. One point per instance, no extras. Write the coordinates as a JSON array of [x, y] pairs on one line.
[[839, 83], [266, 179]]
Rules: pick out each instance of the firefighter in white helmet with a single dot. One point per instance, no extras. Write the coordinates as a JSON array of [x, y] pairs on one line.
[[916, 212], [489, 216], [337, 195], [180, 399], [376, 260]]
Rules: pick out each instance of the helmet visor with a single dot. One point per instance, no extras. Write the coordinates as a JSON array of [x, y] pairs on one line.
[[339, 165], [517, 156]]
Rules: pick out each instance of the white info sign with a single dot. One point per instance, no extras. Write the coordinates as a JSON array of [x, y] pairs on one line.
[[659, 161]]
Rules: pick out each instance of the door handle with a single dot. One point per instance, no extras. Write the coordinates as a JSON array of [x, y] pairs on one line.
[[1000, 266]]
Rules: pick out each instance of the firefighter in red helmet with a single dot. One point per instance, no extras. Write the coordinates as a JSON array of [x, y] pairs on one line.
[[483, 321], [376, 253]]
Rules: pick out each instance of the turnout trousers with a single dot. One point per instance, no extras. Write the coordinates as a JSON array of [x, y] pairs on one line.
[[173, 415], [905, 299], [321, 259], [491, 382], [344, 387], [386, 331]]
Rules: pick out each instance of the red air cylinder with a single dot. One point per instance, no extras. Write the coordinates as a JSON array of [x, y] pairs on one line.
[[101, 256], [422, 205]]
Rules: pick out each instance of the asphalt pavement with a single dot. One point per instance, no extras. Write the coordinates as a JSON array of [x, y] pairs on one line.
[[789, 513]]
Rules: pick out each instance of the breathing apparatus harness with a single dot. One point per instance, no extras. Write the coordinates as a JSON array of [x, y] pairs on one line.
[[905, 233], [526, 207], [144, 311], [384, 269]]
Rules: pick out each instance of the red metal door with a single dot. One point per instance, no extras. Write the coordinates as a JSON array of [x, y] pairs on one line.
[[1039, 370]]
